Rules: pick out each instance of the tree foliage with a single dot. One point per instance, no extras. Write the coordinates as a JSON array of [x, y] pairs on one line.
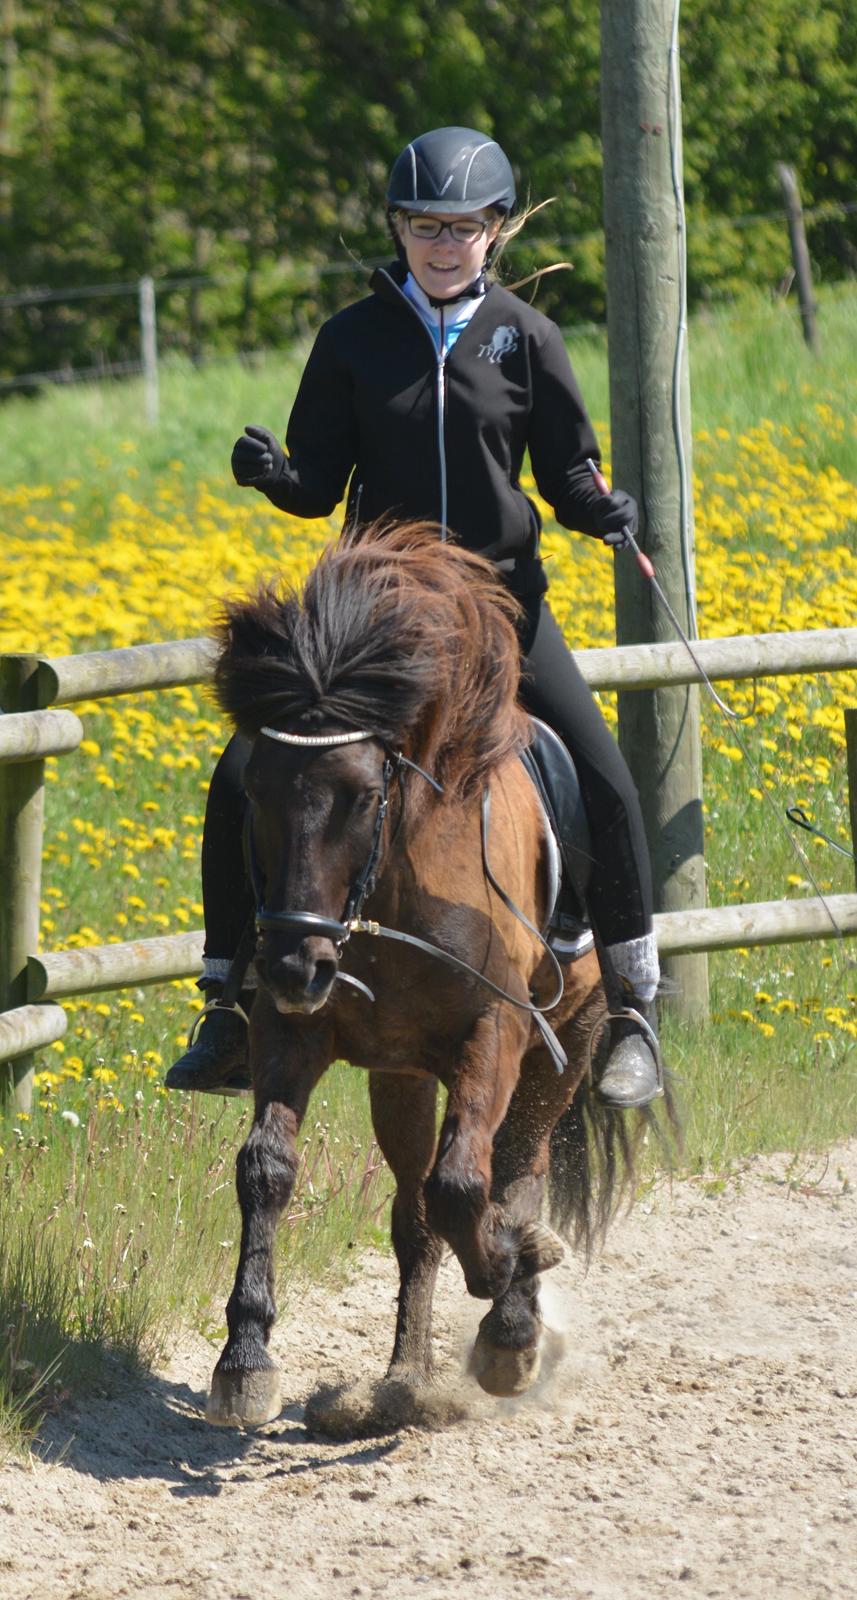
[[239, 152]]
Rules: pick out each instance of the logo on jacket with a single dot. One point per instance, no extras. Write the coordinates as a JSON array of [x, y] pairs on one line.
[[503, 342]]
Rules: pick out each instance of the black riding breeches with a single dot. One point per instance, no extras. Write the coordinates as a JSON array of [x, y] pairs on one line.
[[227, 899], [619, 896], [553, 688]]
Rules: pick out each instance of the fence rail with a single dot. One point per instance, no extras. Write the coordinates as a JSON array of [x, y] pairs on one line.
[[58, 974], [63, 973], [101, 674], [30, 983], [24, 735], [30, 1028]]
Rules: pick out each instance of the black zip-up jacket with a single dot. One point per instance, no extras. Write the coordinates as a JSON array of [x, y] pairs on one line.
[[422, 437]]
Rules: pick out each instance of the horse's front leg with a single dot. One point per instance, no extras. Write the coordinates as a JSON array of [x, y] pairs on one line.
[[458, 1190], [287, 1062]]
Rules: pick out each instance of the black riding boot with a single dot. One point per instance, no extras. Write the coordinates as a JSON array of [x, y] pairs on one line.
[[633, 1075], [215, 1061]]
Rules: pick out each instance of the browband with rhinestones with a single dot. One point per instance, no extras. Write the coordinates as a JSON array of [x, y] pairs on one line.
[[317, 739]]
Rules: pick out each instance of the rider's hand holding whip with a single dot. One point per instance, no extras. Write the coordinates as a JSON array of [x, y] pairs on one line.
[[619, 533]]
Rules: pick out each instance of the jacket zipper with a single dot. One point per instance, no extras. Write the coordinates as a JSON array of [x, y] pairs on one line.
[[440, 357], [441, 422]]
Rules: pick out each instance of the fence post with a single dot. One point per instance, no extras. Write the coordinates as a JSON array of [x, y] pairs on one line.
[[850, 715], [22, 808], [149, 347], [800, 252]]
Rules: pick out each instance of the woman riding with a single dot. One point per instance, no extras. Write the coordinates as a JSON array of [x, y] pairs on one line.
[[422, 398]]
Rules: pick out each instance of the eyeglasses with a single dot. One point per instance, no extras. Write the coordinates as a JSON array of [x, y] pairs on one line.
[[465, 231]]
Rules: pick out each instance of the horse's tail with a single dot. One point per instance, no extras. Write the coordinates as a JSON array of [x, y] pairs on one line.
[[595, 1159]]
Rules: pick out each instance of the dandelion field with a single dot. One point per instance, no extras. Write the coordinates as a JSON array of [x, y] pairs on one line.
[[117, 1210]]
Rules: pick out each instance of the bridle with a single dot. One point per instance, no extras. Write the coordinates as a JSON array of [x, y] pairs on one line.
[[310, 924]]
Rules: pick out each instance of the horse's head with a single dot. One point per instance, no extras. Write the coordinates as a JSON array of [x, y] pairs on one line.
[[314, 840], [403, 636]]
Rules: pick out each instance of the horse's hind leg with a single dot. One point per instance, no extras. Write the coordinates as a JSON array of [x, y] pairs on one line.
[[507, 1354], [458, 1190], [403, 1115]]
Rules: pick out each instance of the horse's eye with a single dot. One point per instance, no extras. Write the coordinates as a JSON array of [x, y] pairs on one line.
[[368, 800]]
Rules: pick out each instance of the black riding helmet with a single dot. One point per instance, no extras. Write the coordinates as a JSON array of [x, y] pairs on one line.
[[452, 170]]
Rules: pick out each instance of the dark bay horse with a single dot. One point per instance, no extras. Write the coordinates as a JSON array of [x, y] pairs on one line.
[[382, 708]]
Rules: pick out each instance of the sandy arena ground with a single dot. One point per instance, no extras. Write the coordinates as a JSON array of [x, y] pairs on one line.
[[694, 1434]]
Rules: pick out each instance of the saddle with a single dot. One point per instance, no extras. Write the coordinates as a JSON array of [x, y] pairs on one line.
[[554, 776]]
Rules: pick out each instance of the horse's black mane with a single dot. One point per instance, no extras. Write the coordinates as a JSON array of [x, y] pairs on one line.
[[396, 633]]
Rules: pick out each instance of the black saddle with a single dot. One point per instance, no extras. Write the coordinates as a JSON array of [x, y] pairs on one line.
[[555, 777]]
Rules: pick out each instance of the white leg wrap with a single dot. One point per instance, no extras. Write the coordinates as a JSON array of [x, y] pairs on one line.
[[637, 960]]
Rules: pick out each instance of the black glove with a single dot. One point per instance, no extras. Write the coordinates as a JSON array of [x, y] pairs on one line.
[[258, 458], [615, 513]]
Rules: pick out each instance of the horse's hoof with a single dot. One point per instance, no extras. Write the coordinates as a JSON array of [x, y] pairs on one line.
[[502, 1372], [244, 1399], [539, 1249]]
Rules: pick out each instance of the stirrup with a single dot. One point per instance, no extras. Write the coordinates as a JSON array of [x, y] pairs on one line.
[[647, 1031], [213, 1005]]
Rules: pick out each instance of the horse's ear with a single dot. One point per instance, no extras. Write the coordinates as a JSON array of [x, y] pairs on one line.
[[260, 626], [254, 639]]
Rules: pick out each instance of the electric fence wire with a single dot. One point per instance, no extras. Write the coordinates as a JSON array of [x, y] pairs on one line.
[[829, 211], [674, 125]]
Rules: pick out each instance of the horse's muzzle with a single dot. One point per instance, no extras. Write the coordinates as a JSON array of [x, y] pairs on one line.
[[298, 973]]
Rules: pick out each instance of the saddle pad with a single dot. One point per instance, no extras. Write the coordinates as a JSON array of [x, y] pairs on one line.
[[552, 773]]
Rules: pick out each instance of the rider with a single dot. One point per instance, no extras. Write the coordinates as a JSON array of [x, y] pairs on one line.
[[422, 398]]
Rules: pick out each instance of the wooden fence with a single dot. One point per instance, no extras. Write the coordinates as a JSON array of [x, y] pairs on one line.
[[31, 983]]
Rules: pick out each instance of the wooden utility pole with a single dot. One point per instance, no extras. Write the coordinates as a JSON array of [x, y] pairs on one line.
[[650, 425]]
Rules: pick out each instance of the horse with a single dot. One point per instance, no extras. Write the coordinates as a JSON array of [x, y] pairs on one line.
[[382, 708]]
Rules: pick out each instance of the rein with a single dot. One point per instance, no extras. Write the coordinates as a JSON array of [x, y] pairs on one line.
[[309, 923]]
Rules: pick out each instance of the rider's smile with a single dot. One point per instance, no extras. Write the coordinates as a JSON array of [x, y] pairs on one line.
[[445, 266]]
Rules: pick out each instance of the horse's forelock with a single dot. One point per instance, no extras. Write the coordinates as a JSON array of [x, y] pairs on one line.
[[396, 632]]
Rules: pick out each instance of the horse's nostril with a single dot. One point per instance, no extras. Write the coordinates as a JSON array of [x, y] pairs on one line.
[[322, 978], [297, 976]]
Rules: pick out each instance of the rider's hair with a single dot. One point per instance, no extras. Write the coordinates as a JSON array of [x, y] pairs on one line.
[[510, 229]]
